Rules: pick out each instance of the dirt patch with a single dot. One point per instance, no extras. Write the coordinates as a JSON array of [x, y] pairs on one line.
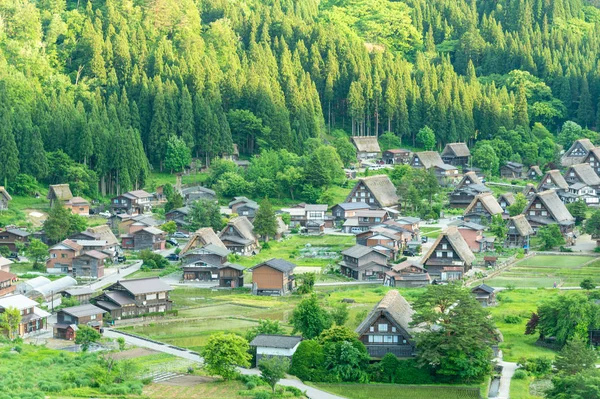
[[35, 217], [187, 381], [132, 353]]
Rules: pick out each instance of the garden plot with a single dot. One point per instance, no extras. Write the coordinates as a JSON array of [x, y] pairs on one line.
[[542, 271]]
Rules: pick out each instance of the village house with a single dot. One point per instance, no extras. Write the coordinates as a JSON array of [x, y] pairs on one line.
[[387, 328], [593, 159], [534, 172], [201, 238], [407, 274], [473, 235], [346, 210], [93, 245], [409, 223], [89, 265], [449, 257], [33, 319], [511, 170], [398, 156], [309, 215], [78, 206], [519, 232], [273, 277], [7, 283], [135, 297], [80, 294], [4, 198], [553, 180], [196, 193], [367, 147], [242, 202], [377, 191], [211, 254], [505, 200], [456, 154], [546, 208], [577, 153], [484, 294], [364, 220], [580, 192], [131, 224], [483, 207], [364, 263], [529, 190], [61, 257], [384, 240], [269, 345], [132, 202], [68, 320], [147, 238], [11, 237], [582, 173], [179, 216], [466, 190], [445, 174], [426, 159], [209, 263], [59, 193], [238, 236], [5, 264], [403, 230], [104, 233]]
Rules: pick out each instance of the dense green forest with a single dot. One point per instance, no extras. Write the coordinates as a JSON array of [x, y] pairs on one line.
[[91, 92]]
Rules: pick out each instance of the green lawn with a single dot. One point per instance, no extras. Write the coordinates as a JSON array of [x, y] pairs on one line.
[[544, 270], [431, 232], [519, 389], [389, 391], [18, 207]]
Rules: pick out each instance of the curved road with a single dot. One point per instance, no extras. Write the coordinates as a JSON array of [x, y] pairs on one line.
[[311, 392]]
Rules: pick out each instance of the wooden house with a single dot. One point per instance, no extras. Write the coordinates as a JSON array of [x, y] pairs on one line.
[[103, 232], [511, 170], [376, 191], [553, 180], [593, 159], [519, 232], [147, 238], [133, 202], [135, 297], [179, 216], [384, 240], [407, 274], [577, 153], [534, 172], [131, 224], [8, 283], [580, 192], [364, 263], [80, 294], [59, 192], [398, 156], [505, 200], [466, 190], [201, 238], [364, 220], [426, 159], [529, 190], [78, 206], [89, 265], [449, 257], [244, 207], [546, 208], [445, 174], [483, 207], [273, 277], [206, 264], [456, 154], [5, 264], [33, 319], [238, 236], [68, 320], [387, 328], [4, 198], [472, 233], [367, 147], [61, 257], [345, 210], [195, 193], [269, 345], [582, 173], [484, 294], [11, 237]]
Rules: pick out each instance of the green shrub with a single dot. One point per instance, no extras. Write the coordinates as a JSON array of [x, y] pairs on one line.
[[520, 374], [250, 385], [512, 319], [537, 366], [294, 390], [262, 395]]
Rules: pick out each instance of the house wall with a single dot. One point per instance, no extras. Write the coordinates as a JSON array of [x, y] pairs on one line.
[[60, 258], [267, 278], [87, 266], [401, 348], [83, 210], [360, 193], [8, 239]]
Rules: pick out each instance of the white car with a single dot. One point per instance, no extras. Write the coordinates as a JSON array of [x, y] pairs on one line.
[[179, 234], [105, 214]]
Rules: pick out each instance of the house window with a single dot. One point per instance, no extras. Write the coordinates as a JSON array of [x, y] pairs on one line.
[[63, 255], [371, 200], [531, 213], [544, 213], [382, 328], [93, 317], [572, 174], [438, 254], [388, 339], [244, 213], [53, 256], [377, 339], [393, 329], [371, 329], [162, 295], [538, 205], [449, 254], [150, 297], [378, 219], [444, 246]]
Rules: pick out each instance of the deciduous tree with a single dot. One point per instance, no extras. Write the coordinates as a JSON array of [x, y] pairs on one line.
[[223, 353], [309, 318], [272, 369], [265, 221]]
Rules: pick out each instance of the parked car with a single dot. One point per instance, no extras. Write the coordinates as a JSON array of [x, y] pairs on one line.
[[408, 252], [179, 234], [172, 257], [172, 242], [121, 258], [105, 214], [356, 230], [424, 239]]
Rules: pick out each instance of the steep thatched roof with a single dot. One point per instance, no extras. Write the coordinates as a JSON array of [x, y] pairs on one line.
[[243, 225], [488, 201], [567, 159], [103, 232], [366, 143], [555, 178], [521, 224], [5, 193], [585, 173], [382, 189], [395, 307], [535, 169], [469, 178], [201, 238], [458, 243], [508, 197], [554, 205], [456, 149], [428, 159], [61, 192]]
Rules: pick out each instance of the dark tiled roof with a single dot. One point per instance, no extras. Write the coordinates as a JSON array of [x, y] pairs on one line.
[[83, 310], [278, 264], [276, 341], [145, 285]]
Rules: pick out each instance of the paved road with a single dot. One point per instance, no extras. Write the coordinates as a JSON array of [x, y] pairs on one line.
[[113, 278], [508, 370], [311, 392]]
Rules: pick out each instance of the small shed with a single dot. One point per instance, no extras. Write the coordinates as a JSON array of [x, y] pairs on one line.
[[490, 261], [485, 295], [268, 345]]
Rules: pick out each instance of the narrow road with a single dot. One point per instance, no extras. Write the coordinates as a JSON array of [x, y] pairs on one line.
[[113, 278], [508, 370], [311, 392]]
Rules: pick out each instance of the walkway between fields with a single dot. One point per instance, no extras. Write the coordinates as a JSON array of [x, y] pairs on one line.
[[508, 370], [311, 392]]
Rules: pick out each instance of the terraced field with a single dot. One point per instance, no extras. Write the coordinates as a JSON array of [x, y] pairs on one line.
[[385, 391], [543, 271]]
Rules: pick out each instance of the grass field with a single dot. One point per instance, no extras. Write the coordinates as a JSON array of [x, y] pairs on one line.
[[519, 389], [17, 209], [542, 271], [388, 391], [431, 232], [210, 390]]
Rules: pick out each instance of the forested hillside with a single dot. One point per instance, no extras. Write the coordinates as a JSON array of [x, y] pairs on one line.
[[92, 91]]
